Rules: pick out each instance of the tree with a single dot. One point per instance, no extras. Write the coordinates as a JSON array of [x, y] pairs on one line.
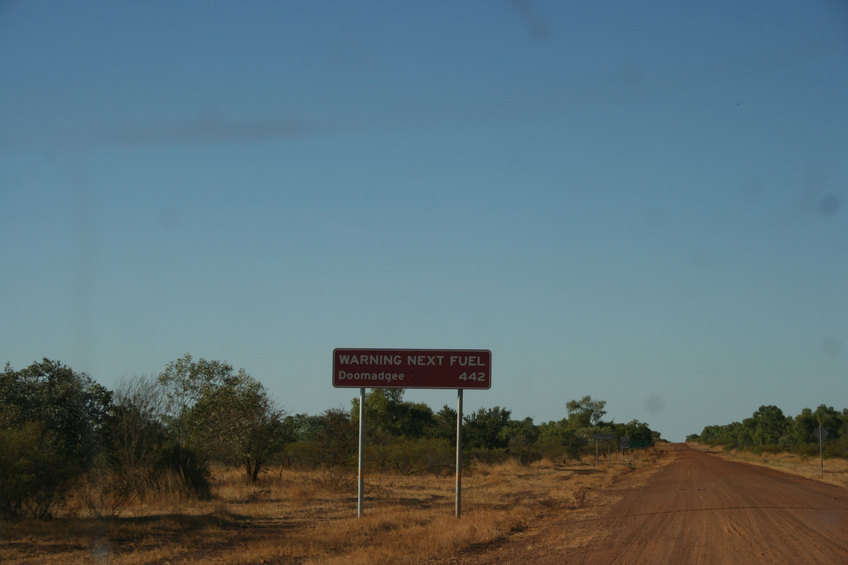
[[483, 429], [388, 416], [640, 433], [33, 474], [337, 438], [769, 425], [185, 381], [444, 424], [304, 427], [239, 424], [134, 433], [329, 439], [585, 413], [829, 419], [557, 439], [799, 432], [53, 420], [521, 437]]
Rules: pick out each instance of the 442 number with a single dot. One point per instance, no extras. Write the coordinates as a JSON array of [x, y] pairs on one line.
[[474, 377]]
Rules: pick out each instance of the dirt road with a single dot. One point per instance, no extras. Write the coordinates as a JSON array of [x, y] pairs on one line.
[[698, 509]]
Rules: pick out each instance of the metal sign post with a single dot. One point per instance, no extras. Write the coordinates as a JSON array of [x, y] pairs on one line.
[[361, 487], [459, 453], [820, 434]]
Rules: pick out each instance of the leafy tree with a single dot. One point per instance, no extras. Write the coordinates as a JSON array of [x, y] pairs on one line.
[[184, 382], [769, 428], [444, 424], [769, 425], [798, 435], [558, 440], [33, 474], [585, 413], [238, 423], [134, 433], [521, 437], [52, 424], [69, 404], [829, 419], [326, 440], [640, 433], [388, 416], [303, 426], [483, 429], [416, 420]]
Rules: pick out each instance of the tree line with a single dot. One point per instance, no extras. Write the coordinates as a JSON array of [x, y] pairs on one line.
[[62, 432], [768, 429]]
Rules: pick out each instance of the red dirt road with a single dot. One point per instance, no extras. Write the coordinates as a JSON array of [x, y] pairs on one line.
[[697, 509]]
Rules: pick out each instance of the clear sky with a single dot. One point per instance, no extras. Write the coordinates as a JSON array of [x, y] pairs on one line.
[[646, 202]]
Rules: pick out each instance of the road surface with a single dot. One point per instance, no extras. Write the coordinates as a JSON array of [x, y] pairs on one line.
[[698, 509]]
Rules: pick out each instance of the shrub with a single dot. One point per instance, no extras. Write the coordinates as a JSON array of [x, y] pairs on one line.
[[34, 476], [488, 456], [411, 456], [192, 471], [104, 491]]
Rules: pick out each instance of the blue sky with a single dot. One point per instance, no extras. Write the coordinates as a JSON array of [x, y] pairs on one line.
[[643, 202]]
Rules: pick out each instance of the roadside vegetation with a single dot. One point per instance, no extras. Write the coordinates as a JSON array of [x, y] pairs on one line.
[[768, 430], [309, 516], [64, 437], [199, 465]]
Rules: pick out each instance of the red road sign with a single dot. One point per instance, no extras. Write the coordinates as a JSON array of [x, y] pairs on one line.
[[412, 368]]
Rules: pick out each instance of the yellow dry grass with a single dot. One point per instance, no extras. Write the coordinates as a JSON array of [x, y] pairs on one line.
[[310, 517], [835, 470]]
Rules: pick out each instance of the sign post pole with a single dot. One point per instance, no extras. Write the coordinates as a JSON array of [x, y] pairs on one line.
[[361, 487], [821, 434], [459, 453]]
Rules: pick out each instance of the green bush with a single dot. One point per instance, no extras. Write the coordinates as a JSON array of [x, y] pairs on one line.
[[193, 471], [312, 454], [487, 456], [806, 449], [50, 422], [34, 476], [412, 456]]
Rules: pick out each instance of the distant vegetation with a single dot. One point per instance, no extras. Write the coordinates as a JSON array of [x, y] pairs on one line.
[[769, 430], [63, 433]]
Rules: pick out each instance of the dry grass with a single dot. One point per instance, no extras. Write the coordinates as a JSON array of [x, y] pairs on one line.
[[835, 470], [310, 517]]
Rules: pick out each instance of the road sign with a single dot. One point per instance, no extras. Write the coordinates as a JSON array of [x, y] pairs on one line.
[[624, 442], [821, 434], [412, 368], [601, 437]]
